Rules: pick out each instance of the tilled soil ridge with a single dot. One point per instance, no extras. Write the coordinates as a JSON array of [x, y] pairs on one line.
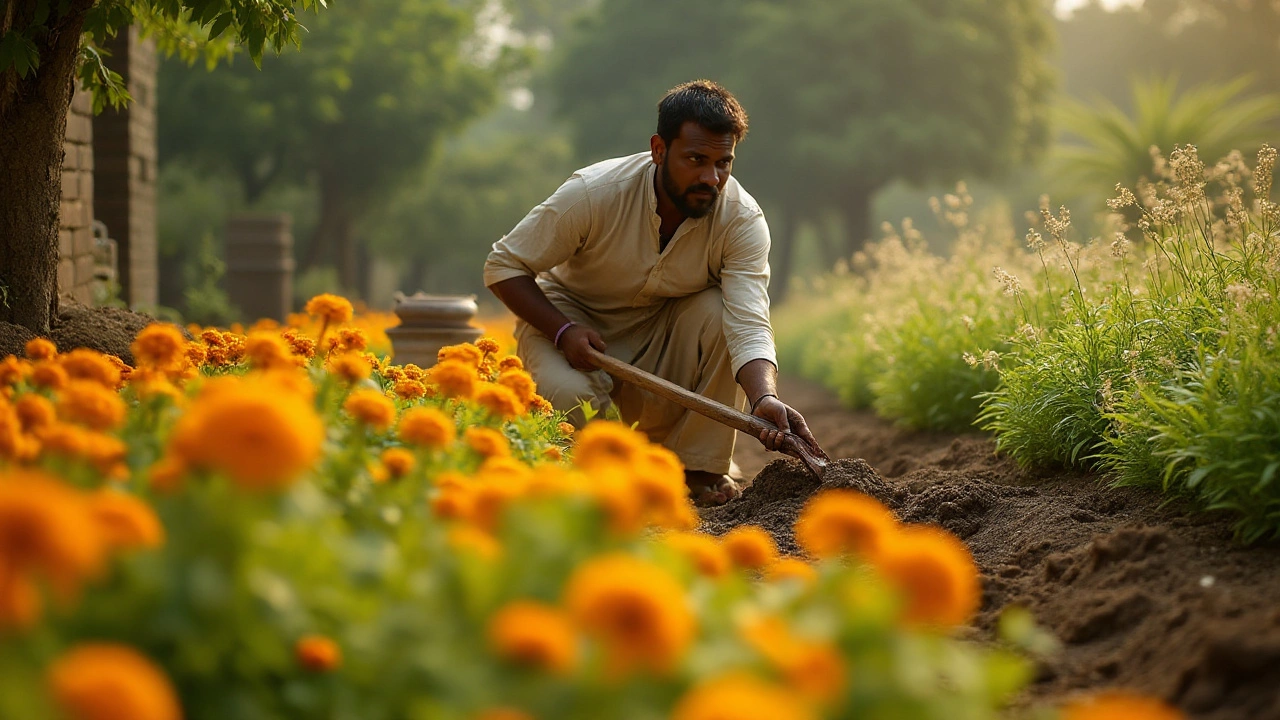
[[1143, 597]]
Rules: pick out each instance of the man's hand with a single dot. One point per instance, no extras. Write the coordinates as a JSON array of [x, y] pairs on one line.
[[574, 343], [787, 420]]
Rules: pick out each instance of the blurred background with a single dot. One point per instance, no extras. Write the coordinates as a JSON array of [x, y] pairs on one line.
[[409, 135]]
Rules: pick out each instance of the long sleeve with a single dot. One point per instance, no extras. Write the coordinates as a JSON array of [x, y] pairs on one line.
[[744, 282], [550, 234]]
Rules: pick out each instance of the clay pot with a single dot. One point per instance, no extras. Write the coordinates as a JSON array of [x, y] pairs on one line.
[[428, 323]]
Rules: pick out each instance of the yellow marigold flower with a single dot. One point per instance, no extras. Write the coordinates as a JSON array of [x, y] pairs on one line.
[[407, 389], [636, 609], [510, 362], [452, 503], [565, 428], [60, 438], [533, 634], [101, 681], [603, 442], [398, 461], [813, 667], [1119, 705], [503, 713], [195, 354], [167, 473], [47, 529], [125, 370], [487, 441], [352, 340], [268, 351], [299, 344], [935, 572], [13, 370], [552, 453], [541, 405], [125, 521], [259, 436], [49, 376], [466, 353], [788, 568], [474, 541], [427, 427], [487, 345], [413, 372], [91, 404], [330, 308], [350, 367], [35, 412], [19, 603], [85, 364], [841, 522], [454, 379], [702, 551], [160, 346], [739, 696], [521, 383], [750, 547], [41, 349], [371, 408], [318, 654], [657, 477], [499, 400]]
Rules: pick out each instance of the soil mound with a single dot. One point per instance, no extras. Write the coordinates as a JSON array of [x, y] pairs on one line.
[[106, 329], [1141, 596]]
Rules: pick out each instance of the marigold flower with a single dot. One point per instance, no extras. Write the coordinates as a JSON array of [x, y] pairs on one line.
[[35, 412], [371, 408], [427, 427], [466, 353], [19, 602], [454, 379], [636, 609], [840, 522], [350, 367], [398, 461], [330, 308], [266, 350], [86, 364], [510, 362], [520, 382], [552, 453], [565, 428], [789, 568], [299, 344], [487, 345], [739, 696], [499, 400], [260, 437], [541, 405], [125, 521], [702, 551], [13, 370], [1119, 705], [352, 340], [935, 571], [317, 653], [14, 443], [813, 667], [91, 404], [533, 634], [474, 541], [167, 473], [40, 349], [407, 389], [487, 441], [750, 547], [603, 442], [49, 376], [100, 681], [160, 346], [195, 354]]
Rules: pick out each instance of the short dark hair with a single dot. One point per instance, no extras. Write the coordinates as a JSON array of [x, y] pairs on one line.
[[705, 103]]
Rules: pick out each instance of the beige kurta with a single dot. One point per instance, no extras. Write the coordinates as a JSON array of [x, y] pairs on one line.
[[694, 313]]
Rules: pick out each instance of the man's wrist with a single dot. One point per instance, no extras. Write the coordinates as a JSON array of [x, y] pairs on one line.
[[560, 333], [760, 399]]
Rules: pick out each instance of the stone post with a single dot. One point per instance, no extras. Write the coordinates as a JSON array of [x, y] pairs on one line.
[[260, 265], [428, 323]]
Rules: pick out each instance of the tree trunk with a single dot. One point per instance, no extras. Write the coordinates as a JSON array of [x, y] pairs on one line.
[[33, 124], [856, 211], [785, 253]]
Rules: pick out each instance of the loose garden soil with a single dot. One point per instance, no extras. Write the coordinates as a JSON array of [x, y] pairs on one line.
[[1146, 597]]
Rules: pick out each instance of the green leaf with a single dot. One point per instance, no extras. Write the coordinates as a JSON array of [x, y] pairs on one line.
[[18, 51], [220, 25]]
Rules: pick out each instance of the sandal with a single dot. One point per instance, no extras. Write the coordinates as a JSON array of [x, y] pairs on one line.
[[712, 490]]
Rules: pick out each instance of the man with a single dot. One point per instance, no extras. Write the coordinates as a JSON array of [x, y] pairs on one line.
[[660, 259]]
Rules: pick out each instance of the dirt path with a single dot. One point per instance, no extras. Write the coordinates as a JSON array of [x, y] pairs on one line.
[[1142, 597]]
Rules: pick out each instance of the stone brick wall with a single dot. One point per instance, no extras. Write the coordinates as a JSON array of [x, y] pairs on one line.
[[75, 234]]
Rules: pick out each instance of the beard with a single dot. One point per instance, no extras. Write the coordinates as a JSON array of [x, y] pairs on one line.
[[687, 205]]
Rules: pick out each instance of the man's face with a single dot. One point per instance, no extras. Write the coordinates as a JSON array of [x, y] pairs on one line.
[[695, 168]]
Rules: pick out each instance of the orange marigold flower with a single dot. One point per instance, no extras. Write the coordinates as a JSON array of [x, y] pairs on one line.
[[49, 376], [454, 379], [474, 541], [565, 428], [1119, 705], [521, 383], [371, 408], [300, 344], [789, 568], [195, 354], [397, 461], [160, 346], [553, 453], [167, 473], [501, 401], [935, 572], [702, 551], [41, 349], [266, 350], [841, 522], [13, 370], [427, 427], [635, 608], [125, 521], [510, 362], [739, 696], [19, 602], [350, 367], [487, 441], [413, 372], [330, 308], [603, 442], [260, 437], [318, 653], [91, 404], [466, 353], [35, 412], [101, 681], [407, 389], [750, 547], [813, 667], [533, 634], [541, 405], [86, 364], [487, 345], [352, 340]]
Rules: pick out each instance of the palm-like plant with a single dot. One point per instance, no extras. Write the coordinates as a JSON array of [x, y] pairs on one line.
[[1105, 145]]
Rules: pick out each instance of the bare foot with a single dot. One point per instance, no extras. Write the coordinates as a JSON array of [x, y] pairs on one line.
[[708, 489]]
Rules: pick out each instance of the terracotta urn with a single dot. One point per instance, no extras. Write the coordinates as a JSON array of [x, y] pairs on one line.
[[428, 323]]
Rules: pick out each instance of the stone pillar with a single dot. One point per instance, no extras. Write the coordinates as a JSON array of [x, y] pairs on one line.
[[260, 264], [75, 225], [428, 323], [125, 169]]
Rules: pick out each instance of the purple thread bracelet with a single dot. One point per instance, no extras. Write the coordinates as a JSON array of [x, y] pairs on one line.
[[560, 332]]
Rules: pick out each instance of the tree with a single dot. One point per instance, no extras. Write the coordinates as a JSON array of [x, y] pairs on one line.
[[44, 47], [381, 82]]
